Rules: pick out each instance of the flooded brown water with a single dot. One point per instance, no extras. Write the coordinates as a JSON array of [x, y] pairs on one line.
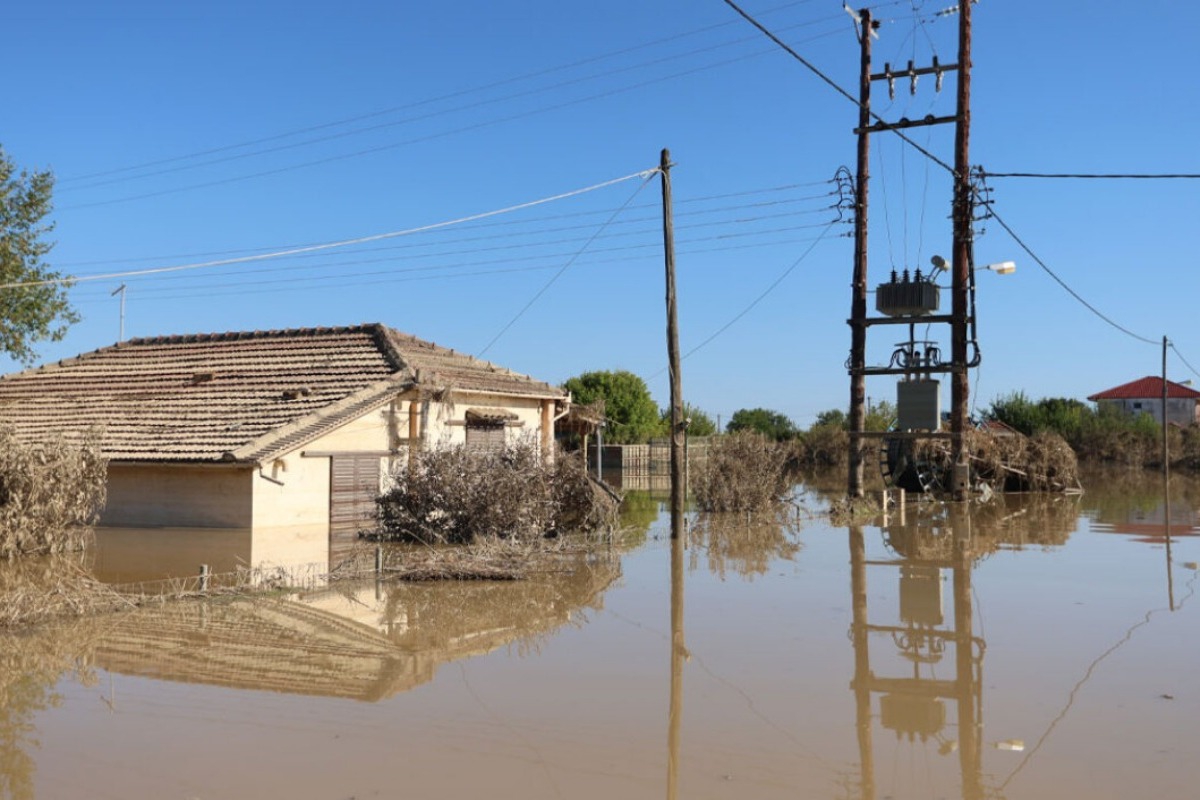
[[1034, 647]]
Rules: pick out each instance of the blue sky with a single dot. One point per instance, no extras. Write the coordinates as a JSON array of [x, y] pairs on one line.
[[186, 133]]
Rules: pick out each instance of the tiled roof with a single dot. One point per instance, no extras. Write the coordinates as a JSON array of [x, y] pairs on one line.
[[238, 396], [1148, 388]]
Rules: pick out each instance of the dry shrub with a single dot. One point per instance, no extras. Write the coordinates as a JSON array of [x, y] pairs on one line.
[[825, 446], [745, 472], [50, 493], [455, 495], [1043, 462]]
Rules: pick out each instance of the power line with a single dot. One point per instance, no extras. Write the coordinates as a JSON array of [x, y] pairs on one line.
[[238, 289], [774, 284], [342, 277], [415, 140], [331, 245], [426, 116], [1153, 176], [525, 221], [568, 264], [1184, 360], [1064, 285], [425, 102], [834, 85]]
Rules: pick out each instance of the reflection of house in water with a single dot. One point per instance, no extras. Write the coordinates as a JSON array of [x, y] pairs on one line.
[[1151, 524], [361, 641]]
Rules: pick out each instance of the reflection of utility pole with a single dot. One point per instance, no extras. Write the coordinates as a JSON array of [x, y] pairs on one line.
[[912, 705], [121, 289], [862, 661], [678, 655]]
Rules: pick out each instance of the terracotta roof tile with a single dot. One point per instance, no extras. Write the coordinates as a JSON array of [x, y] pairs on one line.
[[199, 397], [1148, 388]]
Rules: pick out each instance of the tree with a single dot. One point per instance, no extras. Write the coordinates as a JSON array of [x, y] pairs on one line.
[[630, 412], [28, 313], [701, 424], [771, 424]]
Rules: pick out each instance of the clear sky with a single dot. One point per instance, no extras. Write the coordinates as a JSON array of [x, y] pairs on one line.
[[184, 133]]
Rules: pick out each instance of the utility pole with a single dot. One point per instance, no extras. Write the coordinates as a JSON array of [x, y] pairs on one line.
[[858, 304], [678, 432], [1166, 450], [964, 208], [121, 289]]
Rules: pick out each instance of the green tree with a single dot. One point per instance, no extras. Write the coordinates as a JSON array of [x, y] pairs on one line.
[[771, 424], [701, 423], [629, 411], [834, 417], [28, 313]]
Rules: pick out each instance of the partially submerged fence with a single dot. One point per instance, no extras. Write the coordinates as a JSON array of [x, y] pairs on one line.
[[646, 466]]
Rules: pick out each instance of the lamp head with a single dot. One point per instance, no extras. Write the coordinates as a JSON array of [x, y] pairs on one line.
[[939, 263]]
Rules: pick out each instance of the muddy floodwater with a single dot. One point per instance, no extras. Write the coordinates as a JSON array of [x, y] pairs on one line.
[[1032, 647]]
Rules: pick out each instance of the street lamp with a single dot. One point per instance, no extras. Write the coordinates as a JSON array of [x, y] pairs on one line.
[[1001, 268]]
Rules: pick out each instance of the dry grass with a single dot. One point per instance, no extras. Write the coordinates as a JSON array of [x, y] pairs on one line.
[[455, 496], [745, 472], [50, 493]]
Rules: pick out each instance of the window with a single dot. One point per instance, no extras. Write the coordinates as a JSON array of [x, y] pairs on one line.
[[485, 435]]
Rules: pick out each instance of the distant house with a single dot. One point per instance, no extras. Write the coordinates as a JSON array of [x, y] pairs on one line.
[[1145, 396], [280, 433]]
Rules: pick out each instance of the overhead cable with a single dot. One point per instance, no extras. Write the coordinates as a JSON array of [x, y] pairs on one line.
[[766, 32], [1145, 176], [648, 175], [644, 174], [1064, 285]]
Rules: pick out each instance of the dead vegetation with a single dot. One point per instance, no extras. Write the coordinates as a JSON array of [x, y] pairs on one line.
[[1043, 462], [50, 493], [457, 495], [745, 471]]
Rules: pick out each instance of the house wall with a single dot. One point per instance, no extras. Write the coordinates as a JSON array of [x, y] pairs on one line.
[[1180, 411], [178, 496], [295, 500], [445, 420]]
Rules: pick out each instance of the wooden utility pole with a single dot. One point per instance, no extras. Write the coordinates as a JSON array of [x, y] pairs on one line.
[[858, 303], [1166, 450], [963, 212], [677, 423]]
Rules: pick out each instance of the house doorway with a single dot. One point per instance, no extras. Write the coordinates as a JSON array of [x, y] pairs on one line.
[[353, 487]]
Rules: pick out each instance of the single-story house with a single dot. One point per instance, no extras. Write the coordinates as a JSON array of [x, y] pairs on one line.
[[284, 433], [1145, 396]]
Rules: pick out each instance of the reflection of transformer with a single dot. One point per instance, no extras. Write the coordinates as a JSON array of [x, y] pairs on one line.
[[916, 706]]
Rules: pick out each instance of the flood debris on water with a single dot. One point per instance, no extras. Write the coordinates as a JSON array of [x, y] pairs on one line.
[[457, 495], [35, 590], [51, 493]]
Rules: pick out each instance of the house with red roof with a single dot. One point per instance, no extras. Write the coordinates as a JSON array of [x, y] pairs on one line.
[[1145, 396], [283, 435]]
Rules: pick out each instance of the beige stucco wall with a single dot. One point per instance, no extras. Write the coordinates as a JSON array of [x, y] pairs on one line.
[[291, 510], [167, 495], [440, 433]]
